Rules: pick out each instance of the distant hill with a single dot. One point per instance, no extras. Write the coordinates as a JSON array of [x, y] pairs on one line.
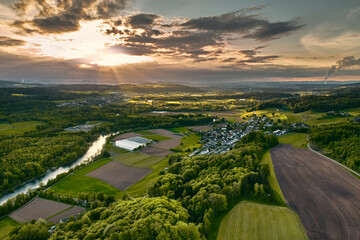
[[11, 84]]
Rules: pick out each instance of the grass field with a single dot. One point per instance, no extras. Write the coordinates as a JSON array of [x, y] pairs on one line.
[[179, 130], [17, 128], [266, 159], [78, 182], [7, 224], [137, 159], [249, 220], [297, 140], [189, 143]]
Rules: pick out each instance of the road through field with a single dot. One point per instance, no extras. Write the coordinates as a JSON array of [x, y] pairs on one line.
[[322, 193]]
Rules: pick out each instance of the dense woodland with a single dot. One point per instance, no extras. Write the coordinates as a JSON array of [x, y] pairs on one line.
[[341, 141]]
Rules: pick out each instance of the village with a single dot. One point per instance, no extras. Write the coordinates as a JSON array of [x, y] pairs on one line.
[[222, 139]]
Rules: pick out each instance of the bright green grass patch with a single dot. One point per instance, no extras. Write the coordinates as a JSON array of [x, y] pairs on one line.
[[7, 224], [139, 189], [353, 111], [297, 140], [148, 162], [189, 143], [18, 128], [179, 130], [266, 159], [78, 182], [249, 220], [144, 132], [130, 158], [157, 138]]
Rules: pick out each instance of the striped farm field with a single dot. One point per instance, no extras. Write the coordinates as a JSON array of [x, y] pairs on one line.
[[255, 221]]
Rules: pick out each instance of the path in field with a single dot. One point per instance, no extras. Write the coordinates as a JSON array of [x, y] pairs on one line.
[[325, 195]]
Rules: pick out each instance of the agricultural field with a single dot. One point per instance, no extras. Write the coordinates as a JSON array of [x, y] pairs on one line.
[[249, 220], [119, 175], [7, 224], [137, 159], [324, 194], [139, 189], [45, 209], [156, 138], [297, 140], [79, 182], [18, 128]]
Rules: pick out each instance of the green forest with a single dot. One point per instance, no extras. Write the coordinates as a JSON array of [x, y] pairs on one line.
[[340, 141]]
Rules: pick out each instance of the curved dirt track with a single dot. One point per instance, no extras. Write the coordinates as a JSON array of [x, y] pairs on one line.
[[322, 193]]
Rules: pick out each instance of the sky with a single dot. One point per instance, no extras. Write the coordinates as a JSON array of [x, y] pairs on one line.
[[182, 41]]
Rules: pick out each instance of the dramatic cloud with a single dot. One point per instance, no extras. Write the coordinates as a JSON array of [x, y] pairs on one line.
[[251, 56], [269, 31], [174, 43], [142, 20], [62, 16], [10, 42], [250, 26]]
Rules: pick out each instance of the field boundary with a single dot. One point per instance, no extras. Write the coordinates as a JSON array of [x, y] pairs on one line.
[[347, 168]]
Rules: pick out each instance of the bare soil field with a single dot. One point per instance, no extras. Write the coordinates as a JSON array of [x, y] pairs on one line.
[[152, 151], [163, 132], [126, 135], [38, 208], [166, 144], [71, 212], [119, 175], [322, 193]]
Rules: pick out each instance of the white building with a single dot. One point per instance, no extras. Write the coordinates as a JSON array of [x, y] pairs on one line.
[[130, 144]]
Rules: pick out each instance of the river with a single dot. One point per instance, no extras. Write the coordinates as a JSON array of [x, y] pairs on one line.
[[94, 150]]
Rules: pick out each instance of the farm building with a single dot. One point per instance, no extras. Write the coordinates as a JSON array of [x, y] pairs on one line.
[[132, 143]]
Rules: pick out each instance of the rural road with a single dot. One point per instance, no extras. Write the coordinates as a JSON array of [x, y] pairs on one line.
[[324, 194]]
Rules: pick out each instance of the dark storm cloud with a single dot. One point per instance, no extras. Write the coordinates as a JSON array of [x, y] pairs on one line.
[[269, 31], [142, 20], [10, 42], [250, 26], [65, 15]]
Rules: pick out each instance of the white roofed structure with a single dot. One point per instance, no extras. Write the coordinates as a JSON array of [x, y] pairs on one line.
[[132, 143]]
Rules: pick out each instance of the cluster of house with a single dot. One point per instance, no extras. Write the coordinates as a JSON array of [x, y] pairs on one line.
[[222, 139], [99, 101]]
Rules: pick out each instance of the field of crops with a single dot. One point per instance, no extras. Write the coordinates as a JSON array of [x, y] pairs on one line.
[[78, 182], [255, 221]]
